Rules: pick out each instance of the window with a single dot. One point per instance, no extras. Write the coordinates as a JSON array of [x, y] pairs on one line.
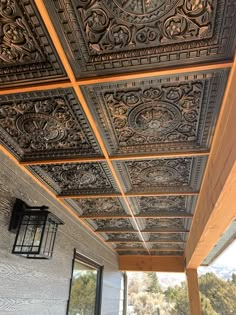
[[85, 291]]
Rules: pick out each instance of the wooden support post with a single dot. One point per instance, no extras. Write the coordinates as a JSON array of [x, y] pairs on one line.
[[193, 292]]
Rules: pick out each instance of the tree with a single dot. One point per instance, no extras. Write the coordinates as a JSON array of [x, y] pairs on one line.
[[153, 285]]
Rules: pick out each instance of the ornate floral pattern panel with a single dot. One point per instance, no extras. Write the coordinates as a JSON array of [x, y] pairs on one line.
[[174, 247], [129, 246], [161, 175], [167, 253], [133, 252], [164, 114], [167, 238], [116, 225], [26, 51], [113, 35], [76, 178], [164, 224], [122, 237], [101, 207], [163, 206], [47, 124]]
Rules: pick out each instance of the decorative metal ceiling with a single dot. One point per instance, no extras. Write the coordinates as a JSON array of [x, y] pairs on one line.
[[126, 152]]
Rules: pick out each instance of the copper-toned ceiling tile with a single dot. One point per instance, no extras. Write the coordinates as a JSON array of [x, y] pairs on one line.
[[48, 124], [114, 36], [101, 207], [166, 253], [132, 246], [26, 50], [163, 206], [164, 114], [122, 237], [162, 175], [108, 225], [166, 238], [75, 178], [164, 225]]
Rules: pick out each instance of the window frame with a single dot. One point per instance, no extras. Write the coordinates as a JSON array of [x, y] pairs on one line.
[[91, 263]]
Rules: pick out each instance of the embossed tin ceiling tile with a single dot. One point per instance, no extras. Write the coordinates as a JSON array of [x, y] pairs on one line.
[[76, 178], [164, 114], [111, 36], [163, 206], [129, 246], [116, 225], [49, 124], [26, 51], [123, 237], [167, 253], [101, 207], [166, 247], [168, 225], [162, 175], [167, 238], [132, 252]]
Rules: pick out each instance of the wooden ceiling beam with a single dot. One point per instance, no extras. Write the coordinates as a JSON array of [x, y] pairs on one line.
[[88, 159], [138, 249], [215, 209], [129, 194], [155, 73], [162, 231], [141, 216], [36, 87], [151, 263]]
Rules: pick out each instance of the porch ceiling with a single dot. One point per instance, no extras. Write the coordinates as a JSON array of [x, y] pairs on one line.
[[113, 105]]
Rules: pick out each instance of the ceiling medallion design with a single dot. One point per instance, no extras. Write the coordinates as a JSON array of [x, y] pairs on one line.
[[101, 206], [77, 177], [161, 172], [160, 114], [39, 125], [113, 224], [17, 43], [107, 26], [160, 205]]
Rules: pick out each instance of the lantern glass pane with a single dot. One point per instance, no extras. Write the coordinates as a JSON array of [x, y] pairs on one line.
[[30, 234], [49, 238]]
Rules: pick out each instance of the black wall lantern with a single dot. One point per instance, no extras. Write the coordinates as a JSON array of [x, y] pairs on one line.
[[35, 229]]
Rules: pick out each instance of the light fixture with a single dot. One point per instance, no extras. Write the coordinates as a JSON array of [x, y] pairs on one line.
[[35, 229]]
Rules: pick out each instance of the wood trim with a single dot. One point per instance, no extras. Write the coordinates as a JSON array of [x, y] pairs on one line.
[[131, 157], [193, 292], [138, 249], [153, 73], [86, 159], [159, 155], [164, 215], [167, 193], [125, 216], [92, 217], [129, 194], [37, 87], [215, 208], [151, 263], [163, 231], [112, 195]]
